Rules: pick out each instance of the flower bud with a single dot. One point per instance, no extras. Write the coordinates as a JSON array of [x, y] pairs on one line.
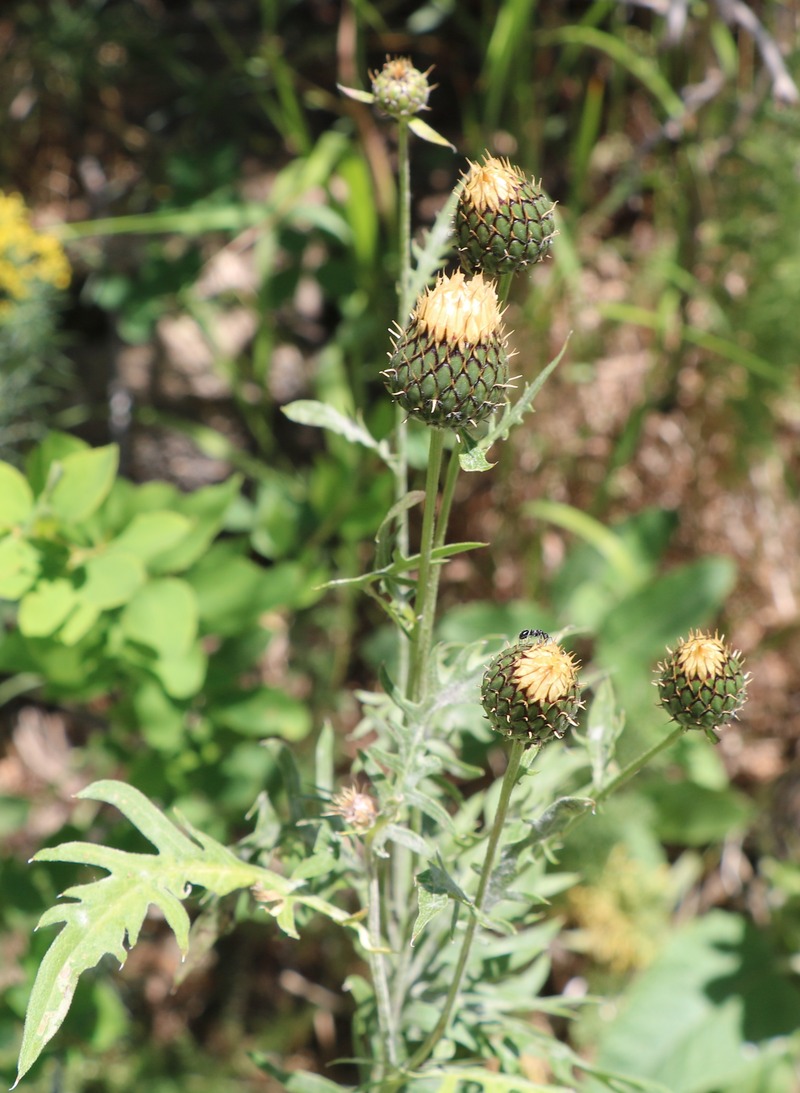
[[400, 89], [530, 691], [702, 684], [503, 221], [357, 808], [449, 366]]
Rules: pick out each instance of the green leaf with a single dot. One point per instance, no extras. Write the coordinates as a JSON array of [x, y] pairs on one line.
[[105, 916], [163, 616], [603, 727], [19, 567], [403, 565], [79, 623], [688, 814], [56, 446], [473, 458], [182, 673], [111, 580], [713, 1000], [45, 607], [354, 93], [642, 67], [150, 534], [297, 1081], [206, 509], [16, 497], [264, 712], [323, 416], [430, 905], [456, 1079], [82, 482], [426, 132]]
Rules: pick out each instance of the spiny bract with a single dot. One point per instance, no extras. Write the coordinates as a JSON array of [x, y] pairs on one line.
[[702, 684], [503, 221], [530, 691], [400, 89], [449, 366]]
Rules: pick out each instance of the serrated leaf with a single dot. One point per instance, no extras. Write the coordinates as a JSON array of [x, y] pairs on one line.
[[437, 882], [16, 497], [430, 905], [106, 915], [473, 458]]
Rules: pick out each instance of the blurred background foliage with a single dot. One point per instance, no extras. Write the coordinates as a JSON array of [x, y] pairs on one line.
[[229, 223]]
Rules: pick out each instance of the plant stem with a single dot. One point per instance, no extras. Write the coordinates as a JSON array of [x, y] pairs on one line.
[[427, 581], [509, 781], [404, 305], [636, 765], [377, 965]]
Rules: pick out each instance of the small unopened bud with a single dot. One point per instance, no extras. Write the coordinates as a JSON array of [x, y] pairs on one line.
[[702, 684], [530, 691], [400, 90]]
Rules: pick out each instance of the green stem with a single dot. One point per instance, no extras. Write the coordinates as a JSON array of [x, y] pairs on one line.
[[450, 479], [440, 1028], [404, 305], [377, 965], [427, 581], [636, 765]]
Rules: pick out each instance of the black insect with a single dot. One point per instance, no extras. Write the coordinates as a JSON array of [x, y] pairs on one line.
[[534, 635]]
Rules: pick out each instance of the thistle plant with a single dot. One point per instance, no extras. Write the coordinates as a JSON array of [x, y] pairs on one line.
[[446, 886]]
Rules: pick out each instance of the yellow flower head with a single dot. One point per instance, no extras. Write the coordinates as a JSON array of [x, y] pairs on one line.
[[460, 310]]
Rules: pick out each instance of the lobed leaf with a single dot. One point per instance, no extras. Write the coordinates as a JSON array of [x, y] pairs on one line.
[[106, 915]]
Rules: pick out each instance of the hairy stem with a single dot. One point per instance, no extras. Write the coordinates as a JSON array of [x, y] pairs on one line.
[[509, 781], [404, 305], [377, 964], [427, 578]]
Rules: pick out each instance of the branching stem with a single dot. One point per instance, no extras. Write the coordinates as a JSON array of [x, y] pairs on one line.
[[509, 781]]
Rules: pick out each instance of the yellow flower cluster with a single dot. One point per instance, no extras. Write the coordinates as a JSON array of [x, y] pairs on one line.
[[28, 259]]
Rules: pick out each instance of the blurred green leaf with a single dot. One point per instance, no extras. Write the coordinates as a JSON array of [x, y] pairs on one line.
[[16, 497], [46, 606], [706, 1009], [150, 534], [111, 580], [163, 616], [19, 567], [83, 483], [688, 814]]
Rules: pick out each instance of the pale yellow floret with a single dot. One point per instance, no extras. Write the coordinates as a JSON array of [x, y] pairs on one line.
[[545, 673], [493, 183], [460, 310], [701, 656]]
